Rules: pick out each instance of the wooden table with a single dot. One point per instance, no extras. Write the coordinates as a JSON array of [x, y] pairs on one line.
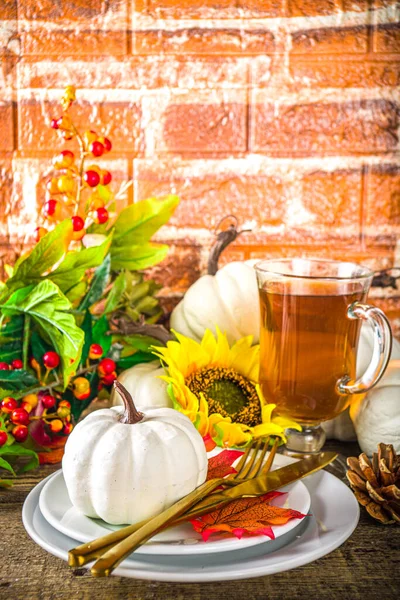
[[367, 566]]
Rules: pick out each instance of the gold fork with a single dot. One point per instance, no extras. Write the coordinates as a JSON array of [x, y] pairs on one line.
[[115, 546]]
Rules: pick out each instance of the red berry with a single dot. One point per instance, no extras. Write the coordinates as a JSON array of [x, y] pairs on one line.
[[50, 208], [106, 177], [48, 401], [78, 223], [64, 159], [51, 360], [109, 378], [106, 366], [95, 351], [20, 432], [8, 404], [92, 178], [54, 123], [106, 143], [96, 148], [19, 416], [17, 363], [3, 438], [101, 215], [67, 428], [4, 366]]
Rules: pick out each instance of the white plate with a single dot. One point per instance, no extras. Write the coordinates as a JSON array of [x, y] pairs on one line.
[[335, 514], [57, 509]]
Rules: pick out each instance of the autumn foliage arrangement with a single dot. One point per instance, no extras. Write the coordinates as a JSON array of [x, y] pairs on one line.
[[61, 345]]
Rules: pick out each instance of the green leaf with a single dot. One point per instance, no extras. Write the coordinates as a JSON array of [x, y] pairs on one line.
[[114, 297], [141, 342], [98, 284], [86, 327], [6, 465], [6, 483], [17, 380], [99, 334], [74, 266], [134, 359], [4, 393], [77, 292], [19, 451], [138, 222], [10, 350], [47, 252], [104, 192], [13, 329], [49, 308], [39, 346], [137, 257]]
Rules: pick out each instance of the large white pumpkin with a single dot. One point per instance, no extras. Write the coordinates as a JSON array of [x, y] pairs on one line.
[[228, 299], [377, 417], [123, 472]]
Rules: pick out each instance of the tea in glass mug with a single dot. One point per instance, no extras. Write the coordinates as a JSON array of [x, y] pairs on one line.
[[311, 316]]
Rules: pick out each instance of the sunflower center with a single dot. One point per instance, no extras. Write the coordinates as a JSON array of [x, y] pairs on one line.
[[227, 393]]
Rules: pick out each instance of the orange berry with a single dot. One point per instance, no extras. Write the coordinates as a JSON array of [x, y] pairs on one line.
[[52, 186], [40, 232], [31, 399], [96, 202], [81, 388], [63, 160], [65, 403], [89, 137], [26, 406], [56, 425], [65, 183]]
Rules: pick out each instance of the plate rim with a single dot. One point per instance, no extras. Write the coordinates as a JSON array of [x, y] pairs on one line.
[[134, 569], [197, 549]]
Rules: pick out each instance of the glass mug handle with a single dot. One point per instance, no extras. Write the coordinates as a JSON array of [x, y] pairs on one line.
[[381, 350]]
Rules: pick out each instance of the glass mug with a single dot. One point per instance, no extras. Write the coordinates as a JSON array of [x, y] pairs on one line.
[[311, 316]]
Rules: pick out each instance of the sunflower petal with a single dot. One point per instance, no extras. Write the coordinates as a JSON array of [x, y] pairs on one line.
[[268, 429], [286, 423], [244, 358]]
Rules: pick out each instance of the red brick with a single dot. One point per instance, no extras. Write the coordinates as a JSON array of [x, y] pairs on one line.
[[6, 186], [344, 73], [180, 268], [387, 38], [332, 40], [136, 73], [8, 10], [6, 126], [77, 27], [383, 199], [210, 192], [121, 120], [197, 40], [205, 128], [364, 126], [209, 9], [310, 8]]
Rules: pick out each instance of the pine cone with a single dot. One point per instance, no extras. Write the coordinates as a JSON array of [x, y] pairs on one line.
[[376, 483]]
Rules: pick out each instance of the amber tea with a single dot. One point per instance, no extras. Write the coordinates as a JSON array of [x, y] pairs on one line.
[[308, 343]]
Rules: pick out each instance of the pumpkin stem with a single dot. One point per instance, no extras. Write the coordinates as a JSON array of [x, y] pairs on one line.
[[224, 238], [131, 414]]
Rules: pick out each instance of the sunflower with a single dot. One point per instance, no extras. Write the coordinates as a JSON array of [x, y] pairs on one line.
[[216, 386]]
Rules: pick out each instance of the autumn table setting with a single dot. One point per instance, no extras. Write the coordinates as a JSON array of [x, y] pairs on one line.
[[246, 444]]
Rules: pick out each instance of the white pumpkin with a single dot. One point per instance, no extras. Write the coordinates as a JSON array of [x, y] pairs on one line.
[[376, 418], [122, 469], [228, 299], [144, 384]]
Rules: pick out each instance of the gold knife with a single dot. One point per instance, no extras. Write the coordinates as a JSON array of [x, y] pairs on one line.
[[118, 545]]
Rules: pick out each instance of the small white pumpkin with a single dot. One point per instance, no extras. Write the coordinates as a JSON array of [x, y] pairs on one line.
[[228, 299], [123, 466], [376, 418], [144, 384]]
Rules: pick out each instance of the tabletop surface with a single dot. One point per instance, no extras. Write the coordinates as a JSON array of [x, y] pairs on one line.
[[367, 565]]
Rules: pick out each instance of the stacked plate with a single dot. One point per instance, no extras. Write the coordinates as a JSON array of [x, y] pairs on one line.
[[180, 555]]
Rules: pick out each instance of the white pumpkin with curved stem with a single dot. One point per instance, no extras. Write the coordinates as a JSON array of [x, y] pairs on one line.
[[228, 299], [145, 386], [123, 466]]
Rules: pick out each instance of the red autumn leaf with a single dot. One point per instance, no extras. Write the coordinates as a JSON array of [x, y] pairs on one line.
[[251, 516], [221, 464]]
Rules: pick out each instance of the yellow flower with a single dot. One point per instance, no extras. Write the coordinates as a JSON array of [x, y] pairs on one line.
[[215, 385]]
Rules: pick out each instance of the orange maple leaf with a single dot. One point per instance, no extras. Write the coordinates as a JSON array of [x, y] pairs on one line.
[[221, 464], [251, 516]]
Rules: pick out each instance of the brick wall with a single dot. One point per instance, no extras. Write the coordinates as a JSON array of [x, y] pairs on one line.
[[283, 112]]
